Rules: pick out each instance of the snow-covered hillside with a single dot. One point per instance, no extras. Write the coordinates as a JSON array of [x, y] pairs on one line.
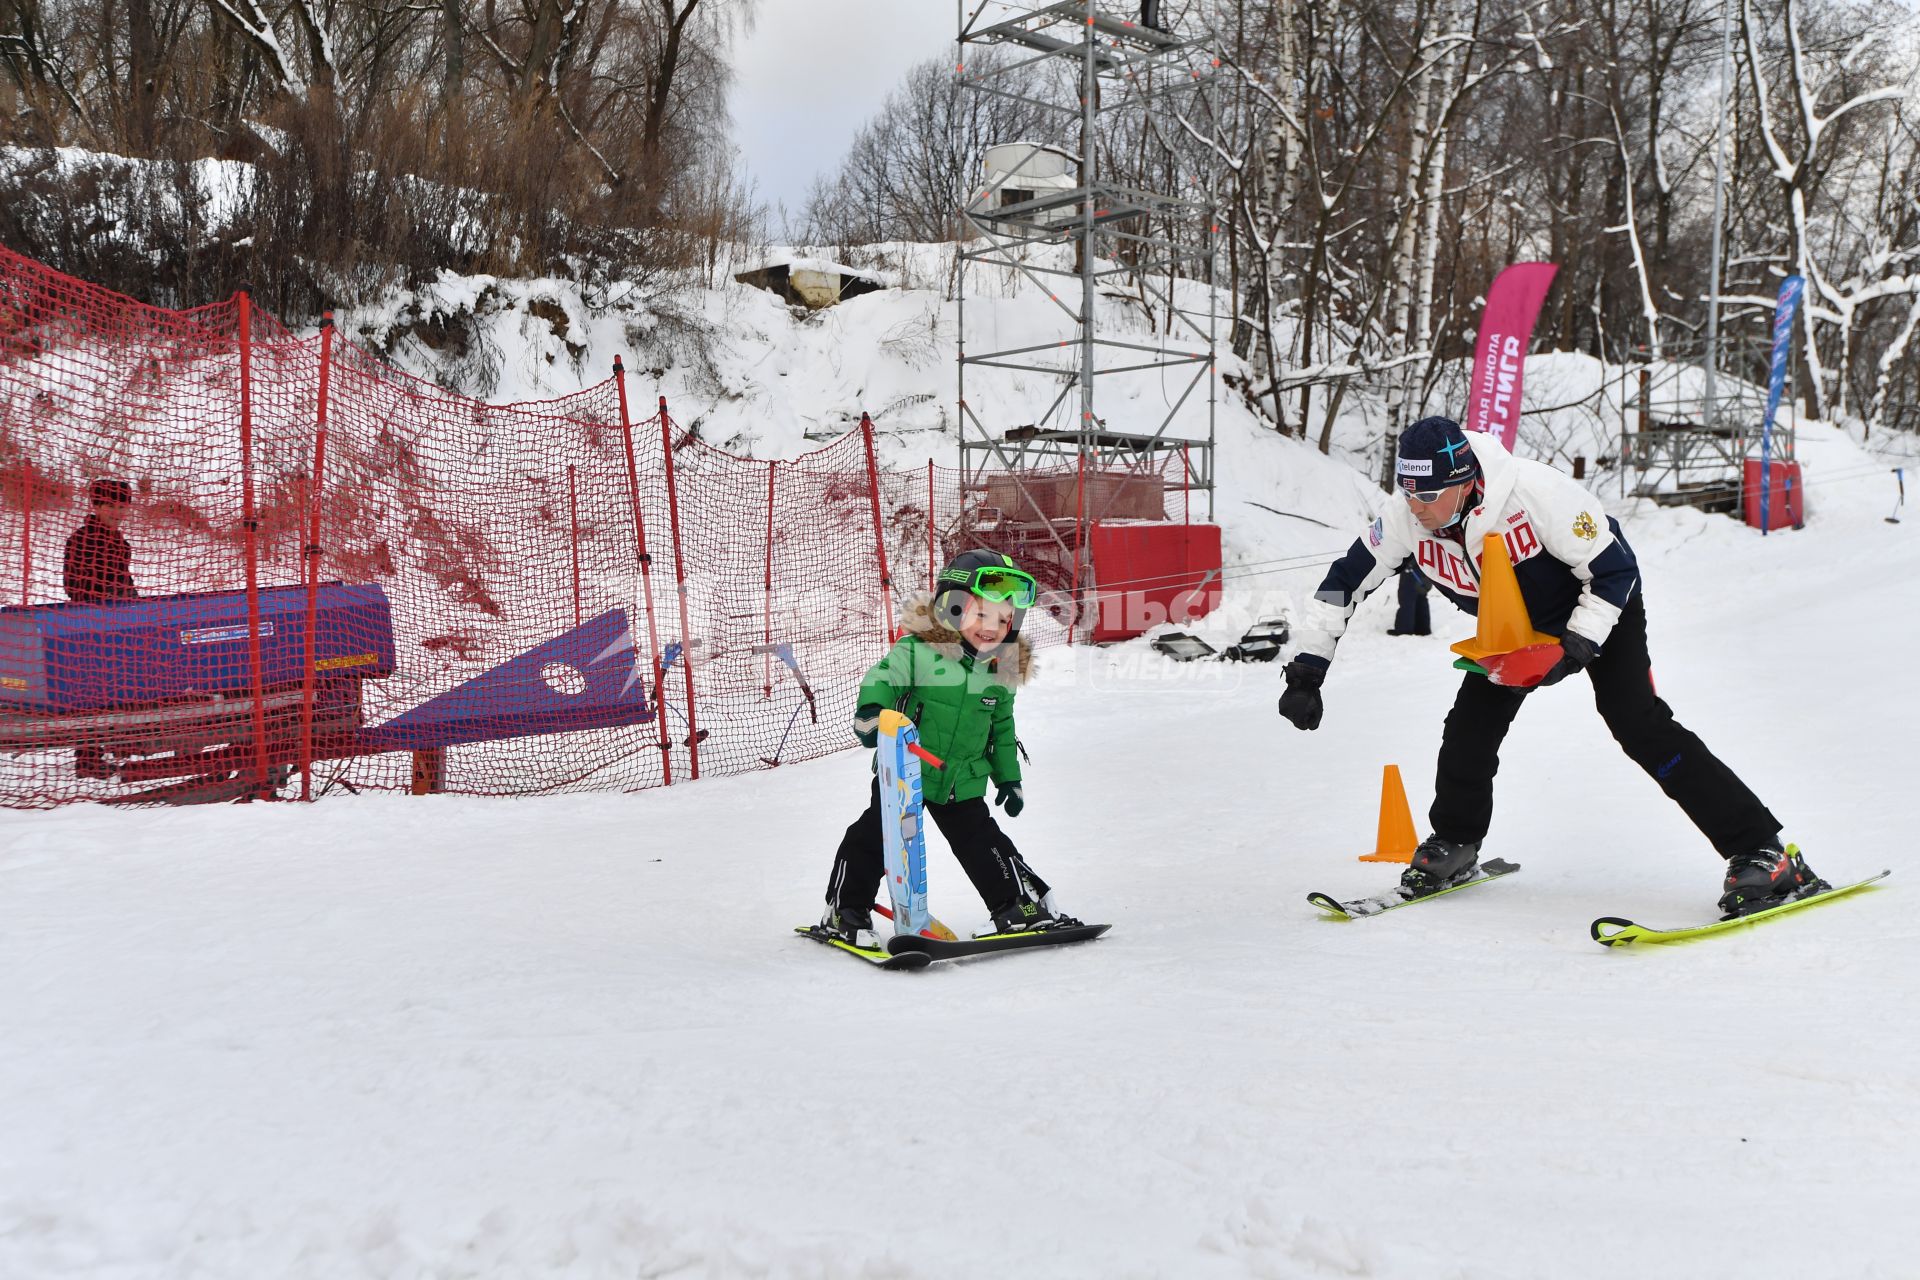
[[754, 375]]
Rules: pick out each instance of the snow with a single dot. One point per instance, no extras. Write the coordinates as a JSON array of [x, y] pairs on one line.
[[825, 266], [395, 1037]]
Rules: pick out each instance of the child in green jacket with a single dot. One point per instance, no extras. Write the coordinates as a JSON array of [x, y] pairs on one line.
[[953, 674]]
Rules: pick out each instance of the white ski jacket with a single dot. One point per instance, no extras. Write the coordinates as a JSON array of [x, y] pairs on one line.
[[1575, 570]]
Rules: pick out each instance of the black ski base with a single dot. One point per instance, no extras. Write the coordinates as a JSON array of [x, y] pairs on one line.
[[939, 949], [1400, 896]]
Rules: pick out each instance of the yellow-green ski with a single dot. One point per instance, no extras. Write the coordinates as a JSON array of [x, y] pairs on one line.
[[1613, 931], [877, 958]]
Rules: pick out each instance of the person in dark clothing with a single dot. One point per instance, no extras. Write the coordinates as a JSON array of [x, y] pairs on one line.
[[99, 560], [1580, 582], [98, 568], [1413, 617]]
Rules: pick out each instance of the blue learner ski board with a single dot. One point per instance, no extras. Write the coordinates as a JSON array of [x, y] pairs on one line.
[[902, 823]]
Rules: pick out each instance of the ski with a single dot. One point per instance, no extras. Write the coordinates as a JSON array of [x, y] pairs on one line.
[[1613, 931], [1397, 897], [907, 944], [878, 958]]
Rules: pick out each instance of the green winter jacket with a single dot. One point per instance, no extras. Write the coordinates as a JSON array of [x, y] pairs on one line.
[[962, 705]]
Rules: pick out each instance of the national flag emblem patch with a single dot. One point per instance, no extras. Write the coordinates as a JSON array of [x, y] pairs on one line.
[[1584, 527]]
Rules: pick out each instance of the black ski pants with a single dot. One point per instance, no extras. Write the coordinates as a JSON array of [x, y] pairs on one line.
[[979, 845], [1723, 807]]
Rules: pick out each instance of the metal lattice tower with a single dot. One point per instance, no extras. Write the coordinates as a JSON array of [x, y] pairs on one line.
[[1103, 252]]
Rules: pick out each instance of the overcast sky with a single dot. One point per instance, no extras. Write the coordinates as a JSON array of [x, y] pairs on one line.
[[813, 71]]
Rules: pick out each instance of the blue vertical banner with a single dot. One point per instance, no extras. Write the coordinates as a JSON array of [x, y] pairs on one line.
[[1790, 291]]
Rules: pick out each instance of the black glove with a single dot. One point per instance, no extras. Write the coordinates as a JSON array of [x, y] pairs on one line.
[[1301, 702], [866, 725], [1009, 797], [1576, 653]]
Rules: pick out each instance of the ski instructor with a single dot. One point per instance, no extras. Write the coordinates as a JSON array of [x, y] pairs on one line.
[[1581, 583]]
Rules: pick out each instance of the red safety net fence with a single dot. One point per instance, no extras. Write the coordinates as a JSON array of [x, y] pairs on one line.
[[249, 563]]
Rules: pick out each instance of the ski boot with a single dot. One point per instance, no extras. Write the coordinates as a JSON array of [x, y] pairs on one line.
[[1027, 914], [1767, 877], [1440, 864], [1023, 915], [855, 928]]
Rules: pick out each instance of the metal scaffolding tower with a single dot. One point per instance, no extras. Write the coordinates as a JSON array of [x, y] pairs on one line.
[[1130, 271], [1686, 448]]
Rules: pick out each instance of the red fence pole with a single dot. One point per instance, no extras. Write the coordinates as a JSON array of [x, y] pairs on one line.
[[26, 534], [312, 557], [251, 524], [933, 565], [766, 595], [1079, 541], [573, 515], [646, 566], [879, 540], [680, 578]]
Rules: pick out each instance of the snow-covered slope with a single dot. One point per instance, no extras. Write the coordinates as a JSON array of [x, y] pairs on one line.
[[574, 1037]]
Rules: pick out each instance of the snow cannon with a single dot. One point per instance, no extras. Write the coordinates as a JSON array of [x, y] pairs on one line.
[[1505, 647]]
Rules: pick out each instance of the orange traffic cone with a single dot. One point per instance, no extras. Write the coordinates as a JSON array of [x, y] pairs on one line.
[[1397, 839], [1504, 624]]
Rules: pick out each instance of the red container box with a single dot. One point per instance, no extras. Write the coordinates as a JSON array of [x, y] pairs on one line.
[[1149, 573], [1786, 501]]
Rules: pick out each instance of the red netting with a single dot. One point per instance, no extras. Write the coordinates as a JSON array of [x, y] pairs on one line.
[[336, 575]]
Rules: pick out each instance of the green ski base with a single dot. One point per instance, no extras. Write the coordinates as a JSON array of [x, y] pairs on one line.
[[1613, 931], [1393, 900], [879, 959]]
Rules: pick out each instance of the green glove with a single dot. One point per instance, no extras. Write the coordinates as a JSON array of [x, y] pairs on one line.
[[1009, 798], [866, 725]]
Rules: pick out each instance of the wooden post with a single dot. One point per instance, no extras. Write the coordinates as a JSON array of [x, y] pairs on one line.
[[429, 772], [680, 579], [646, 567]]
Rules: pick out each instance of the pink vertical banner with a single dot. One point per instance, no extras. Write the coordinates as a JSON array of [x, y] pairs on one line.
[[1500, 355]]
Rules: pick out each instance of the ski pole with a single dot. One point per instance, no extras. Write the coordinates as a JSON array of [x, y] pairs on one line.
[[934, 928], [1899, 478], [926, 755]]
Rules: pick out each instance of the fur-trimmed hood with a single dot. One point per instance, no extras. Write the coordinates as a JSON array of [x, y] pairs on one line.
[[916, 619]]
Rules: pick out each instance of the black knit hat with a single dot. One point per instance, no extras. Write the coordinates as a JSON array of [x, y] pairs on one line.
[[1434, 454]]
